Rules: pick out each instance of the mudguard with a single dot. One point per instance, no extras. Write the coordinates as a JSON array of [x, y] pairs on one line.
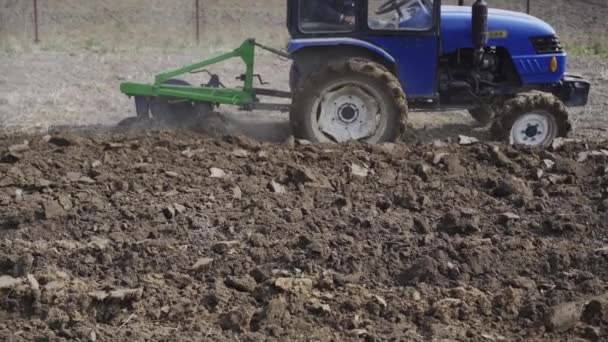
[[297, 44]]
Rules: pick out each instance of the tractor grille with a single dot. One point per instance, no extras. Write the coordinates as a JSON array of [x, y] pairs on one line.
[[547, 45]]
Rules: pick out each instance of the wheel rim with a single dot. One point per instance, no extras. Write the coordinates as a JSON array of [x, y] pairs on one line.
[[348, 110], [534, 129]]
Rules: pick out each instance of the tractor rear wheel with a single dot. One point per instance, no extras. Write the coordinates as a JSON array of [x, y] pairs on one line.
[[349, 99], [533, 119], [177, 112]]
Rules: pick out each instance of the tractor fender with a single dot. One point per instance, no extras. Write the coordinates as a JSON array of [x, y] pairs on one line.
[[309, 54], [298, 44]]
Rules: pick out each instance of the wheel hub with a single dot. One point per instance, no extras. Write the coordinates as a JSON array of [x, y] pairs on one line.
[[347, 113], [533, 129]]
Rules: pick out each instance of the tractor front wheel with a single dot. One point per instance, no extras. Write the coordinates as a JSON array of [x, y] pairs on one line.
[[349, 99], [533, 119]]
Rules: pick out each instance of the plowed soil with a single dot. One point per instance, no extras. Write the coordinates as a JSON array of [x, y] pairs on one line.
[[169, 236]]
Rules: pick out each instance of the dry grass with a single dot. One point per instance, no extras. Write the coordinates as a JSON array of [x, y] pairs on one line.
[[110, 25], [136, 25]]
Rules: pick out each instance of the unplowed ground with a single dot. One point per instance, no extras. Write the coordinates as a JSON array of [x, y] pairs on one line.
[[41, 90], [169, 236]]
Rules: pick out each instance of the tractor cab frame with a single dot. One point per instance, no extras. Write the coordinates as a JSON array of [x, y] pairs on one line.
[[316, 42]]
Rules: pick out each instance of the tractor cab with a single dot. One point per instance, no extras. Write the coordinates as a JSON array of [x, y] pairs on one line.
[[379, 28], [327, 17]]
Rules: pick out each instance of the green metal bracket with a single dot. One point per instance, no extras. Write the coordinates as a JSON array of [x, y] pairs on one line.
[[234, 96]]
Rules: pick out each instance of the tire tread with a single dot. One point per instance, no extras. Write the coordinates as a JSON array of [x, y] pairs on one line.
[[527, 102], [309, 88]]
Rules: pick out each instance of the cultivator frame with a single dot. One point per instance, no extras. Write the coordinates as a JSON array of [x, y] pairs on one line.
[[214, 92]]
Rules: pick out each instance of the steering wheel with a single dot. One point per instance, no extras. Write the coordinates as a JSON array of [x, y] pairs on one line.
[[393, 5], [426, 6]]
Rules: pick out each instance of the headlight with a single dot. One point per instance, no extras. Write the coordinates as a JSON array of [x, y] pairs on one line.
[[547, 45]]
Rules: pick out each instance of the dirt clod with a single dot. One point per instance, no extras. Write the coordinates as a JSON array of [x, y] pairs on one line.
[[236, 320], [276, 187], [424, 270], [242, 284], [7, 282], [459, 222], [507, 217], [512, 186], [52, 210], [224, 246], [294, 284], [240, 153], [464, 140], [202, 263], [217, 173], [564, 316], [117, 295], [359, 171]]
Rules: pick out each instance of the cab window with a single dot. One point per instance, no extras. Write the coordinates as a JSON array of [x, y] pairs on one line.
[[326, 16], [408, 15]]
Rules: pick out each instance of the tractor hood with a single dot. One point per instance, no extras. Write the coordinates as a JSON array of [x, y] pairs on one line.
[[508, 29]]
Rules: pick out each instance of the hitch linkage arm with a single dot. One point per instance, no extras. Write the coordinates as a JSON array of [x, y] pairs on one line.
[[245, 52]]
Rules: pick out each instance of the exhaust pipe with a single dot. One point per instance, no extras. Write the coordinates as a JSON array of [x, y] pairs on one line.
[[480, 29]]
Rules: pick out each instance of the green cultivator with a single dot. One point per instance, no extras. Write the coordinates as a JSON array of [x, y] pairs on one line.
[[170, 99]]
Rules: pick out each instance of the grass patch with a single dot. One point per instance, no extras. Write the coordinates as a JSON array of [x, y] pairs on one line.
[[588, 50], [591, 46], [104, 44]]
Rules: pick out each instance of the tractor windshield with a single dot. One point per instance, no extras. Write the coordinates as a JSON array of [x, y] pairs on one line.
[[411, 15]]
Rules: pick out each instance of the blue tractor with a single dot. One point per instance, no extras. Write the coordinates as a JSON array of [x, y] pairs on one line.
[[355, 75], [360, 66]]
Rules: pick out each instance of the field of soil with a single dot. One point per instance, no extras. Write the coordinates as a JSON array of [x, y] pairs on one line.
[[72, 77], [169, 236], [232, 231]]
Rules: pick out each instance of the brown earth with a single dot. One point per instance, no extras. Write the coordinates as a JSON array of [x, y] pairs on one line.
[[169, 236], [125, 236]]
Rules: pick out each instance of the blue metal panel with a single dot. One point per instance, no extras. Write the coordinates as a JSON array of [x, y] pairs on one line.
[[416, 61], [515, 30], [536, 68], [456, 29], [416, 54], [297, 44]]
